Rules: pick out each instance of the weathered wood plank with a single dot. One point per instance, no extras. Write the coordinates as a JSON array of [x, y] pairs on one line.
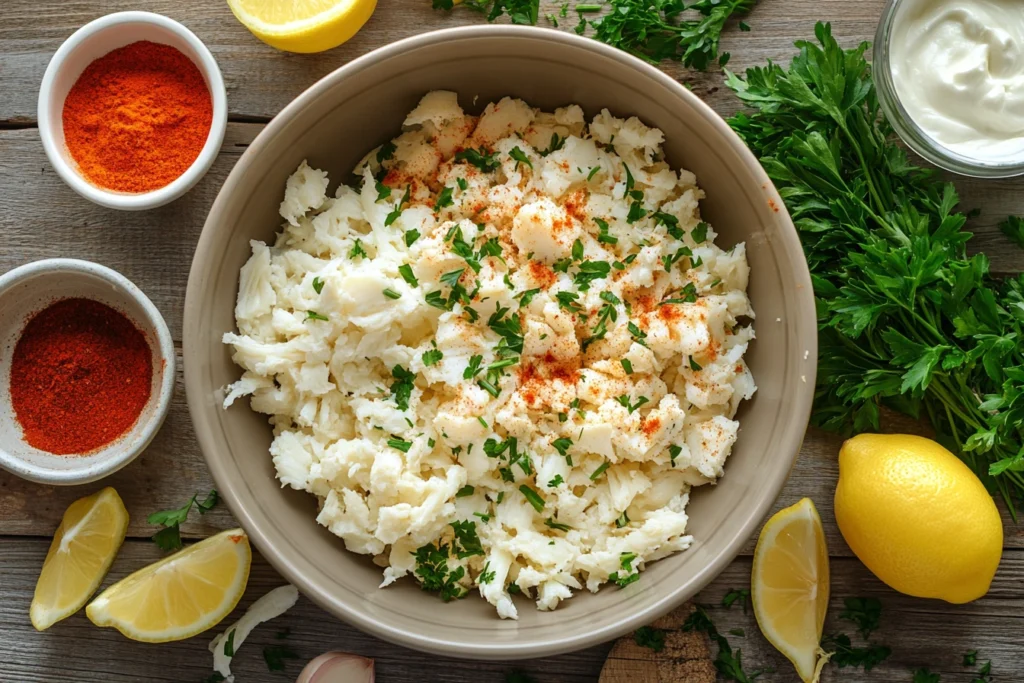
[[41, 217], [261, 80], [921, 633]]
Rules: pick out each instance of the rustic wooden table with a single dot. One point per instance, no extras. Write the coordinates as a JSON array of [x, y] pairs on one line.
[[41, 218]]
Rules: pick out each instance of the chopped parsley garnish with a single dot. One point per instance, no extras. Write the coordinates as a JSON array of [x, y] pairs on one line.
[[558, 526], [650, 637], [596, 474], [636, 212], [397, 211], [593, 172], [590, 271], [556, 481], [467, 542], [405, 270], [629, 181], [274, 656], [400, 444], [169, 538], [689, 295], [627, 366], [624, 401], [700, 232], [461, 182], [318, 285], [392, 294], [432, 569], [669, 260], [526, 297], [864, 613], [557, 143], [577, 250], [562, 445], [567, 300], [401, 389], [728, 663], [357, 250], [532, 497], [473, 368], [602, 236], [508, 328], [432, 357], [411, 236], [600, 328], [483, 160], [520, 157], [313, 315], [383, 191], [386, 151], [673, 453], [846, 654], [485, 575], [636, 333], [229, 644], [694, 365], [623, 520], [444, 199], [670, 222], [736, 596]]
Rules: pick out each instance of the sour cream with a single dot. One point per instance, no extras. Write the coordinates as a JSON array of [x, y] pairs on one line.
[[958, 68]]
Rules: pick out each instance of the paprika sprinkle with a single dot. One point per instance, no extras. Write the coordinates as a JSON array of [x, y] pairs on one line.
[[137, 117], [80, 376]]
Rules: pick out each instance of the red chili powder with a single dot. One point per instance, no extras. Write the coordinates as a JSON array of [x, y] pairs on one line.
[[137, 117], [80, 376]]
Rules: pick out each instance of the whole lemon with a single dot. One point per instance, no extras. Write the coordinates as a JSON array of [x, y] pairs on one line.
[[917, 517]]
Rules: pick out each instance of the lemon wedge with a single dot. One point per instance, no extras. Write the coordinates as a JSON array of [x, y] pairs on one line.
[[790, 585], [82, 551], [180, 595], [303, 25]]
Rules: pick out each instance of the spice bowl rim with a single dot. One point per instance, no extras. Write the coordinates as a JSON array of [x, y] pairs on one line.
[[66, 58], [122, 451]]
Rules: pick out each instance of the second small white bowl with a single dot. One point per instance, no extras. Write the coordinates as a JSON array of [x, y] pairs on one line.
[[88, 44], [29, 289]]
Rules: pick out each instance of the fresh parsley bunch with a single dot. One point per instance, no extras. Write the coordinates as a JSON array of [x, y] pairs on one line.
[[519, 11], [653, 29], [907, 320]]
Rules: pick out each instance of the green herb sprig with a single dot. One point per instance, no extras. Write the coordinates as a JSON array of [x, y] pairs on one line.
[[907, 319], [169, 538]]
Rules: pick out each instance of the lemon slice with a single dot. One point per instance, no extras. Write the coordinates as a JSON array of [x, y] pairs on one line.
[[180, 595], [303, 25], [82, 551], [790, 585]]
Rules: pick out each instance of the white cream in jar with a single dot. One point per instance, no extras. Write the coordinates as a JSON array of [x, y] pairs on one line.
[[958, 69]]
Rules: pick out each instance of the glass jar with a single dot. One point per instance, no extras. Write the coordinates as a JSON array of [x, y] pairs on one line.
[[912, 134]]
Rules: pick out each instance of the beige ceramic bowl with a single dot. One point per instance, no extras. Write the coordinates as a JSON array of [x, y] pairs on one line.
[[361, 105]]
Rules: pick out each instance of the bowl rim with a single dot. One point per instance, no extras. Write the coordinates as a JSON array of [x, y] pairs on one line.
[[799, 406], [141, 201], [118, 456]]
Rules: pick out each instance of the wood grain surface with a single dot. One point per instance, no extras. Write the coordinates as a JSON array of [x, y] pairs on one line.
[[40, 218]]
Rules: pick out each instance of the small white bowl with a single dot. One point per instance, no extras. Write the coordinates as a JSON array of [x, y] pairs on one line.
[[88, 44], [29, 289]]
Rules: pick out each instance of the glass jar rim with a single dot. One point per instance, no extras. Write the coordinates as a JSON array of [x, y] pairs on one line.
[[903, 123]]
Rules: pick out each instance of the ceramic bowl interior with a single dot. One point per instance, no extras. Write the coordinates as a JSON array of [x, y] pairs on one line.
[[29, 289], [362, 105], [89, 43]]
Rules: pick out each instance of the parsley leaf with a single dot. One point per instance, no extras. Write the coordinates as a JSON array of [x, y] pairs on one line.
[[401, 389], [650, 637], [169, 538], [432, 570], [520, 157], [480, 158], [274, 656]]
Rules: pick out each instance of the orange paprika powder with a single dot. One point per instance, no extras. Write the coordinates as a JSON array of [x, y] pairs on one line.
[[137, 117]]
